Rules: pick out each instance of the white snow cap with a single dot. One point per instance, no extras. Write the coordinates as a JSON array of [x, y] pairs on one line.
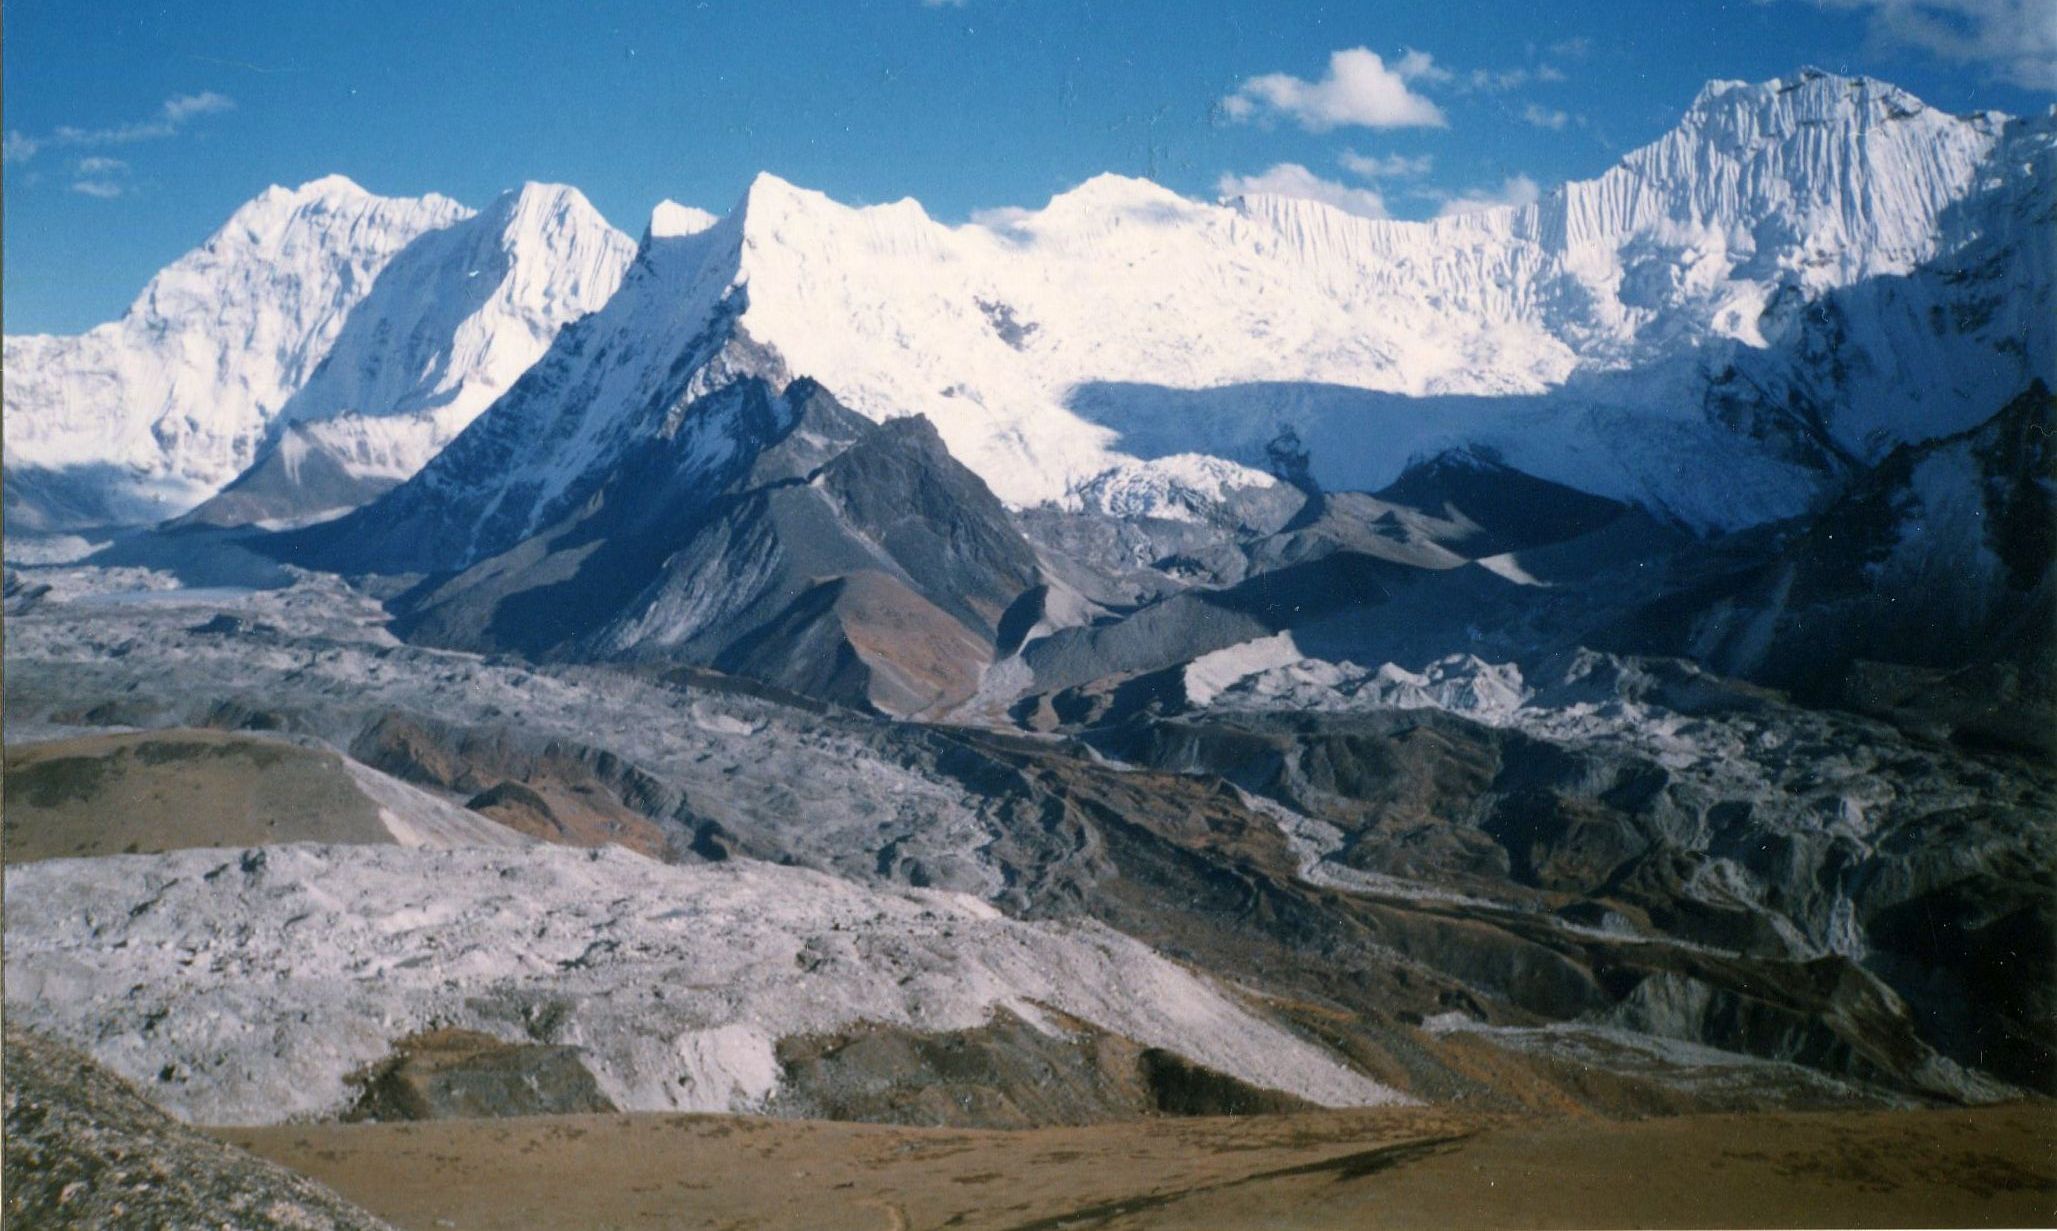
[[670, 220]]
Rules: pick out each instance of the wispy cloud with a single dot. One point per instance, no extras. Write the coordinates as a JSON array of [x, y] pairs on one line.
[[1578, 47], [2016, 40], [97, 175], [172, 116], [1360, 90], [1504, 80], [1545, 117], [1514, 190], [1391, 167], [1290, 179], [175, 113]]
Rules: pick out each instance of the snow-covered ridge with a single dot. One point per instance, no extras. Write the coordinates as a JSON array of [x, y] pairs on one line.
[[1054, 349], [452, 323], [381, 327], [671, 220], [1811, 182], [180, 389], [1182, 487], [1049, 346], [1601, 337]]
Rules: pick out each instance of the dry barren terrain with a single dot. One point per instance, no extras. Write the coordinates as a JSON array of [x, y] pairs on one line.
[[1388, 1168]]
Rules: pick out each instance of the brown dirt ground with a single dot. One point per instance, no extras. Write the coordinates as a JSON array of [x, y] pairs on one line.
[[1430, 1167], [151, 791]]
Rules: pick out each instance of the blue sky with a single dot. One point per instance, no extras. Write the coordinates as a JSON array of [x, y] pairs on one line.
[[133, 129]]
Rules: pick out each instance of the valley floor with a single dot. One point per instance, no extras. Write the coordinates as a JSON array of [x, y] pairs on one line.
[[1413, 1167]]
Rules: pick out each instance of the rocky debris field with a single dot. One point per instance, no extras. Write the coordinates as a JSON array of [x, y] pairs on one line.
[[86, 1149]]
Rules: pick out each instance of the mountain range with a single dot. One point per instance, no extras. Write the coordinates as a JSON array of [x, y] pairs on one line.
[[1802, 274], [1611, 631]]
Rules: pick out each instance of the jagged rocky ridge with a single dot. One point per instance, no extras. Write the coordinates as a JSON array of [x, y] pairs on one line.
[[834, 557]]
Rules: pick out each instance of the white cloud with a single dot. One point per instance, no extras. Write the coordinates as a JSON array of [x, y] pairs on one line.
[[104, 189], [1514, 190], [182, 107], [1578, 47], [1290, 179], [2016, 40], [18, 147], [1420, 66], [1497, 80], [175, 113], [1391, 167], [1359, 90], [96, 165], [1545, 117], [1502, 80]]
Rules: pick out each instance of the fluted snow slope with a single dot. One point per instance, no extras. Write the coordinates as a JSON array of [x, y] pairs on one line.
[[367, 331], [1602, 337], [1803, 273], [172, 399], [1788, 189], [446, 329], [456, 318]]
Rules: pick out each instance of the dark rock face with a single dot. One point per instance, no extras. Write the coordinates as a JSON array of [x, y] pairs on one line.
[[295, 478], [853, 562], [1005, 1074], [459, 1074], [1924, 911], [84, 1149], [1926, 590]]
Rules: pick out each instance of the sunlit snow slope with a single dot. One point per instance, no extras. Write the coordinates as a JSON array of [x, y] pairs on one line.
[[376, 328], [1710, 328]]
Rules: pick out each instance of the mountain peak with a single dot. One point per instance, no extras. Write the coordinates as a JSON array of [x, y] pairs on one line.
[[329, 186], [1111, 192], [537, 210], [671, 220], [537, 195], [768, 193], [771, 201], [1807, 96]]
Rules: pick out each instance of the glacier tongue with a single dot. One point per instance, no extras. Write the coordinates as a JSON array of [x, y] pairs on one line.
[[681, 978]]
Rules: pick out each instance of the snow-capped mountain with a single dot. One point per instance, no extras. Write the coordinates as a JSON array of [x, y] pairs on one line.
[[851, 561], [322, 330], [157, 409], [446, 329], [1610, 336]]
